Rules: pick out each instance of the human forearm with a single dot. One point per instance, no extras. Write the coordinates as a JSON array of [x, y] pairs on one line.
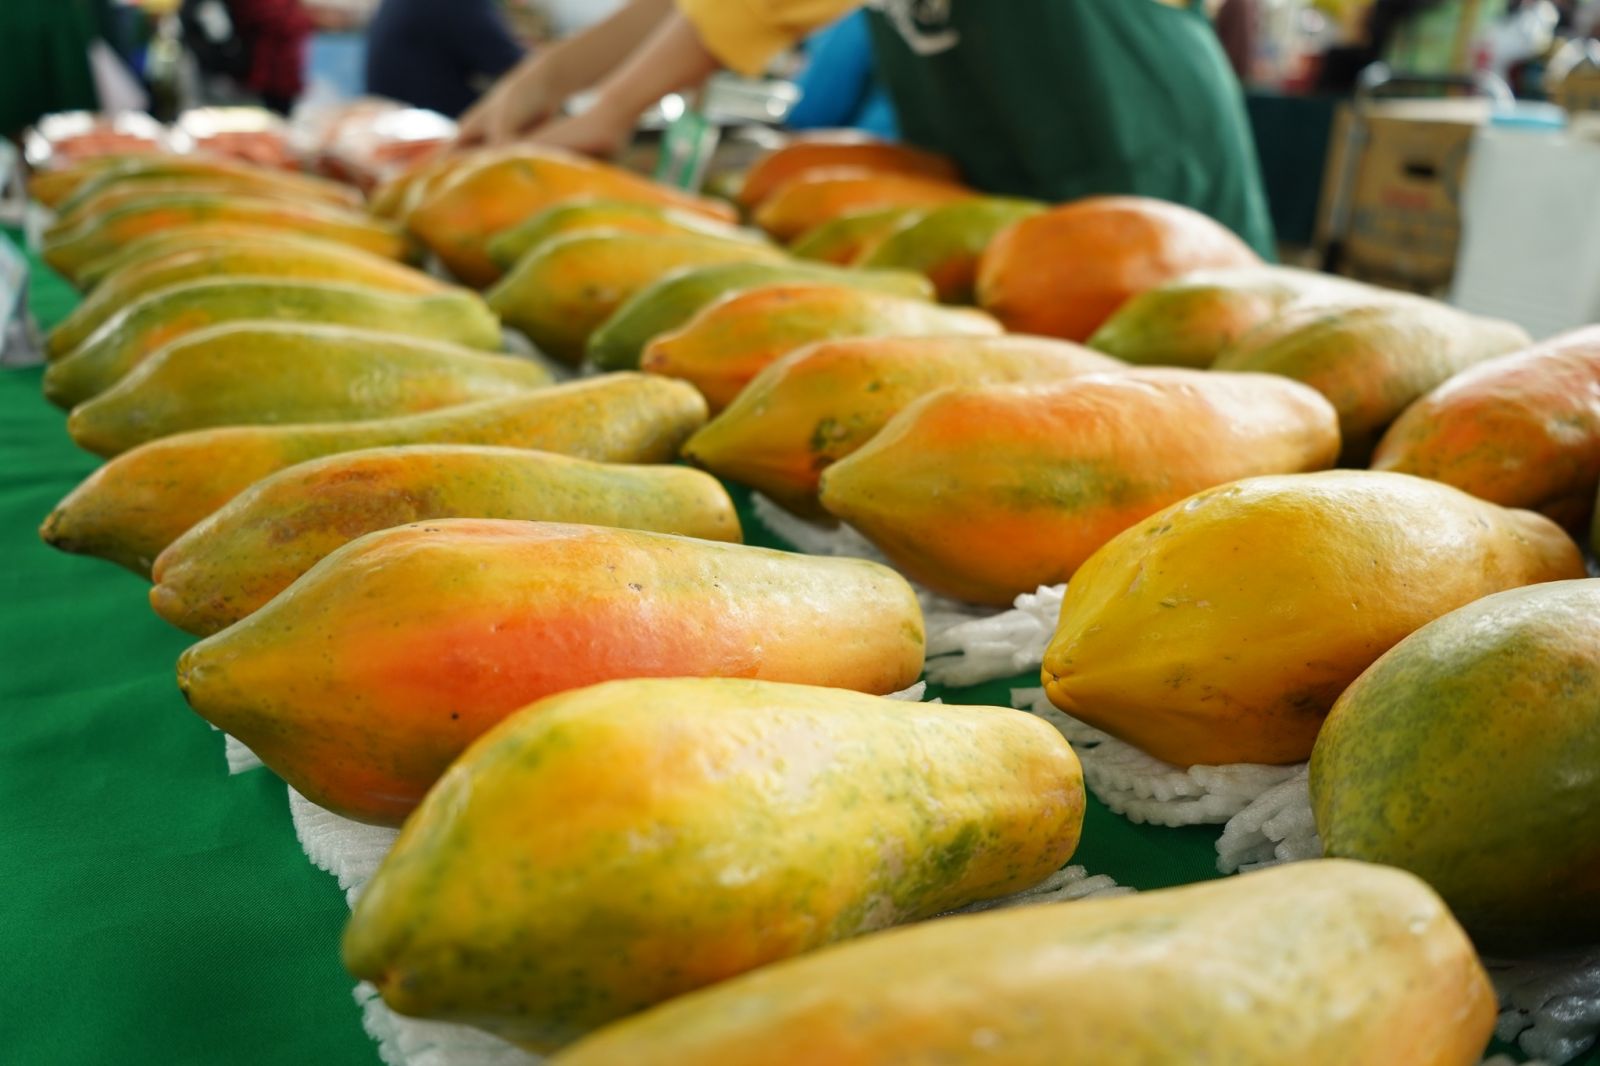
[[583, 59]]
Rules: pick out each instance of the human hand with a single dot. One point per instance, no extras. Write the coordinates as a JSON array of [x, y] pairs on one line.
[[518, 102], [603, 130]]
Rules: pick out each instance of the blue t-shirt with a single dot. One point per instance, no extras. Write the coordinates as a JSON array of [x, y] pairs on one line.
[[839, 86], [439, 54]]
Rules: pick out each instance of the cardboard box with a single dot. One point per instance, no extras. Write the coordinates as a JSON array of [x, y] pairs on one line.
[[1398, 170]]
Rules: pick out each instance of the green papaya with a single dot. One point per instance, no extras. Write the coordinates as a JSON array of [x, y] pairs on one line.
[[844, 241], [678, 297], [944, 245], [1469, 754], [266, 373], [615, 846], [627, 216], [161, 317]]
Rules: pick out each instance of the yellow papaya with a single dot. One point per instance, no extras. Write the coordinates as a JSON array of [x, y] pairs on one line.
[[830, 151], [562, 291], [472, 202], [846, 240], [985, 493], [362, 681], [1468, 755], [268, 373], [131, 508], [97, 237], [946, 243], [109, 199], [265, 255], [1222, 629], [820, 403], [255, 546], [1371, 360], [645, 893], [1192, 320], [161, 317], [627, 216], [1322, 963], [667, 304], [193, 235], [813, 197], [727, 343], [64, 189]]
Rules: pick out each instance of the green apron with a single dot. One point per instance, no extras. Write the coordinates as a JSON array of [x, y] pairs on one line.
[[1058, 99], [44, 60]]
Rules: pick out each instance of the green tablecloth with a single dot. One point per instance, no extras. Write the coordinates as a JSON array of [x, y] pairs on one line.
[[155, 909]]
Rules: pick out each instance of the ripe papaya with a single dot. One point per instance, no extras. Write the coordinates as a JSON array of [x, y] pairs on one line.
[[97, 237], [161, 317], [63, 189], [846, 240], [560, 293], [131, 508], [256, 546], [820, 403], [122, 194], [813, 197], [1522, 430], [647, 892], [1371, 360], [728, 342], [267, 255], [667, 304], [395, 198], [193, 235], [626, 216], [269, 373], [831, 151], [1221, 629], [985, 493], [1322, 963], [363, 680], [1469, 754], [1192, 320], [470, 203], [945, 244], [1064, 272]]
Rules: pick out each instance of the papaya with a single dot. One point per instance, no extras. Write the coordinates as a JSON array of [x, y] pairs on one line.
[[945, 243], [362, 681], [1064, 272], [64, 189], [97, 237], [1322, 963], [667, 304], [161, 317], [831, 151], [1372, 360], [131, 508], [1222, 629], [473, 202], [255, 546], [728, 342], [267, 255], [813, 197], [208, 234], [120, 195], [846, 240], [1469, 754], [675, 874], [1522, 429], [395, 197], [820, 403], [268, 373], [988, 492], [1192, 320], [627, 216], [562, 291]]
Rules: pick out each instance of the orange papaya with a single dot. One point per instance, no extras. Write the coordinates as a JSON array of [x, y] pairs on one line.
[[847, 240], [1064, 272], [820, 403], [562, 291], [426, 635], [831, 151], [946, 243], [988, 492], [813, 197], [1371, 360], [63, 189], [190, 235], [131, 508], [911, 810], [1522, 430], [728, 342], [110, 199], [261, 541], [626, 216], [1222, 629]]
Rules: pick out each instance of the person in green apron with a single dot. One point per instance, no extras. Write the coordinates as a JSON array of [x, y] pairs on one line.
[[1051, 99]]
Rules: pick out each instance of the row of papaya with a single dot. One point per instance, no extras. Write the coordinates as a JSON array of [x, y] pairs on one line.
[[360, 660]]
